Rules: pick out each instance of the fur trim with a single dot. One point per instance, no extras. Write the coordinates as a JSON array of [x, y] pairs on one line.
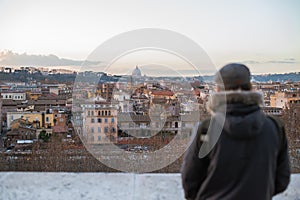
[[236, 96]]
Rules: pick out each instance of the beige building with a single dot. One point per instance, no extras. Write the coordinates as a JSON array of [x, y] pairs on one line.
[[21, 96], [45, 119], [99, 123], [284, 99]]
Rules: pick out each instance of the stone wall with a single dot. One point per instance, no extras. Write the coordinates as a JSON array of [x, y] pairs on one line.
[[102, 186]]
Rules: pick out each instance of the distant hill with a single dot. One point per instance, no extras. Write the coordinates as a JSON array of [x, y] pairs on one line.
[[24, 76], [293, 77]]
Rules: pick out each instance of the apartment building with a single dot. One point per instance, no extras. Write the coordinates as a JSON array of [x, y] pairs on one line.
[[21, 96], [284, 99], [99, 123], [45, 120]]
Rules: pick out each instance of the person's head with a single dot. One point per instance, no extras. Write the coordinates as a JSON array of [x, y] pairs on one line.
[[233, 76]]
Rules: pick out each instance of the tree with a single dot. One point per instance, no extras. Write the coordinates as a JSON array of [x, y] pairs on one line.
[[44, 136]]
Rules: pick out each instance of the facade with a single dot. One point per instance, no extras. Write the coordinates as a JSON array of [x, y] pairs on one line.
[[140, 104], [59, 121], [46, 120], [124, 102], [54, 90], [146, 126], [99, 123], [133, 125], [272, 111], [284, 99], [105, 90], [34, 95], [21, 96]]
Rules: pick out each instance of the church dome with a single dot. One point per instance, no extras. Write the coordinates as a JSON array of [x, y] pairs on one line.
[[136, 72]]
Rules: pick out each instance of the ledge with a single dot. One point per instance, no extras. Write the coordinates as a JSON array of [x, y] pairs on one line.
[[44, 186]]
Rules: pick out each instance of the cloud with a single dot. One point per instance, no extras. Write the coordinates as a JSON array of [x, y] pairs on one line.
[[283, 61], [290, 59], [251, 62], [11, 58]]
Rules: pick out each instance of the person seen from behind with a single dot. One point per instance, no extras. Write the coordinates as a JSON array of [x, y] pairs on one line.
[[249, 160]]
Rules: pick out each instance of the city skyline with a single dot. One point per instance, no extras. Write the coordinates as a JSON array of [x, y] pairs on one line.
[[50, 62], [263, 35]]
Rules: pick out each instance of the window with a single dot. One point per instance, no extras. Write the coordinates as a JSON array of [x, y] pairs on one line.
[[99, 138], [113, 130], [112, 120], [92, 113], [106, 130], [183, 124], [89, 113], [99, 120], [92, 120], [99, 129], [47, 119], [92, 130], [108, 112], [106, 120], [61, 119]]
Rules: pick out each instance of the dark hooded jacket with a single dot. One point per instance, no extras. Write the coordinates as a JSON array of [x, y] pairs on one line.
[[249, 159]]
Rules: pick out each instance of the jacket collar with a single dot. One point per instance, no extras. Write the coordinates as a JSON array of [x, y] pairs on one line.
[[219, 100]]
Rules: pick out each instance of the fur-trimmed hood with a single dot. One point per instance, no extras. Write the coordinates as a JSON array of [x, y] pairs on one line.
[[243, 118], [220, 99]]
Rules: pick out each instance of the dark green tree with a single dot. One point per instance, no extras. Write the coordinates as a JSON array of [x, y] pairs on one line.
[[44, 136]]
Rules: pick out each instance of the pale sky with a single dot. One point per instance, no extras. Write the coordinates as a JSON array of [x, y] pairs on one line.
[[263, 34]]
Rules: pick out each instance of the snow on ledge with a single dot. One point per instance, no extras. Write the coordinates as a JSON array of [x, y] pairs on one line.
[[110, 186]]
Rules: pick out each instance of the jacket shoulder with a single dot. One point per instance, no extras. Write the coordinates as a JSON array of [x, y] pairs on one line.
[[204, 126], [279, 125], [278, 122]]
